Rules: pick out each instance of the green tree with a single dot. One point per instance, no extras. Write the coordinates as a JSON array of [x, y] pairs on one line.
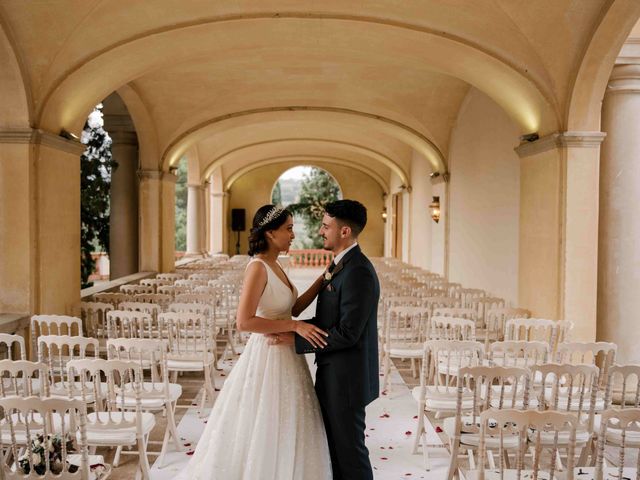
[[276, 196], [96, 165], [181, 206], [317, 189]]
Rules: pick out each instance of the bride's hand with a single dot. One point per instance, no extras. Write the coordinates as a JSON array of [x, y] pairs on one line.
[[314, 335]]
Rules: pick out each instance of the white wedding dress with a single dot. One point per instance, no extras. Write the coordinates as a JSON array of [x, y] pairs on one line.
[[266, 423]]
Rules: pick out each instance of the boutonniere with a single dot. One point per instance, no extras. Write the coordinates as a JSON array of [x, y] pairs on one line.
[[328, 276]]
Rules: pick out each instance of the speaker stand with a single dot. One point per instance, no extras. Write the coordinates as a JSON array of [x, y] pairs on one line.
[[238, 244]]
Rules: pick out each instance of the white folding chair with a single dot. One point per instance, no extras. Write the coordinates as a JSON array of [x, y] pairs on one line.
[[13, 345]]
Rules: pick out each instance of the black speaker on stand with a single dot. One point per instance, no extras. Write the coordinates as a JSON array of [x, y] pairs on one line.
[[238, 217]]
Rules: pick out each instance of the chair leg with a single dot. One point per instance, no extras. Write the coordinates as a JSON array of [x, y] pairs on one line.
[[116, 458], [419, 430], [453, 463], [425, 453], [144, 460]]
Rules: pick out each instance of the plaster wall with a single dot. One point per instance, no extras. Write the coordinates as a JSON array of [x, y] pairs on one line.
[[253, 190], [421, 223], [16, 201], [484, 199]]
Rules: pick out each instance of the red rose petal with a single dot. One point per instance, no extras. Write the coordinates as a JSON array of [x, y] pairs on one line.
[[381, 448], [415, 417], [390, 448], [191, 452], [217, 389], [222, 375], [384, 415], [408, 432], [187, 444], [438, 430], [384, 458]]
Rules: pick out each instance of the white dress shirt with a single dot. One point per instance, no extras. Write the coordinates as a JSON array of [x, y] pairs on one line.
[[339, 257]]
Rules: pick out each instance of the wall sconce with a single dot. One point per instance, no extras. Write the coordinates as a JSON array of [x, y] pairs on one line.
[[384, 214], [434, 208]]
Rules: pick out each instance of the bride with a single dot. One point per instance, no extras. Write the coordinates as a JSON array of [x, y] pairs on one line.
[[266, 423]]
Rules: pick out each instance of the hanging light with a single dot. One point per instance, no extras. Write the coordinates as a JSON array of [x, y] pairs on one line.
[[384, 214], [434, 208]]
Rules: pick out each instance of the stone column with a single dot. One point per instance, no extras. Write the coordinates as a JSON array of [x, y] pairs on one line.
[[123, 233], [217, 222], [558, 228], [39, 222], [157, 221], [195, 219], [619, 233]]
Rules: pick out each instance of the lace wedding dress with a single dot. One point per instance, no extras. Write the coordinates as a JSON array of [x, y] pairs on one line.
[[266, 423]]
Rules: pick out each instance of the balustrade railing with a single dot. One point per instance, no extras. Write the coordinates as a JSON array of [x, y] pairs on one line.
[[310, 258]]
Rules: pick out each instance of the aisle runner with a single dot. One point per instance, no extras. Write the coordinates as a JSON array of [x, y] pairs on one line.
[[390, 434]]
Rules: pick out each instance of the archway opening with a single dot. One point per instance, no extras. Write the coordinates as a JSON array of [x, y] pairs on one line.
[[305, 190]]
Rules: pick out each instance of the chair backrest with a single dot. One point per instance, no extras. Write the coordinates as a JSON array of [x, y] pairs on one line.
[[114, 298], [23, 378], [532, 429], [13, 343], [551, 331], [150, 354], [155, 282], [150, 308], [442, 358], [601, 354], [452, 328], [94, 315], [623, 386], [468, 295], [191, 335], [134, 289], [458, 312], [193, 298], [406, 325], [29, 425], [518, 353], [495, 319], [202, 308], [119, 376], [54, 325], [619, 431], [156, 298], [490, 387], [170, 276], [131, 324], [569, 388], [441, 302], [56, 350]]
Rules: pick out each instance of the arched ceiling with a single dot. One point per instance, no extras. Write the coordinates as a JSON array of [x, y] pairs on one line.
[[375, 79]]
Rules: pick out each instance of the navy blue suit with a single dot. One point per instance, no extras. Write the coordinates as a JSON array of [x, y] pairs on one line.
[[347, 379]]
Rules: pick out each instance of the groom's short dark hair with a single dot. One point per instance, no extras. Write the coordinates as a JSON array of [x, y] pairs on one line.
[[350, 212]]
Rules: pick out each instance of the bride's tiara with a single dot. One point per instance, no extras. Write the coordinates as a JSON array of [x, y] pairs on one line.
[[271, 216]]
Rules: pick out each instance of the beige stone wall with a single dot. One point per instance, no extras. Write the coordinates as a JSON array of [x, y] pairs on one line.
[[484, 198], [39, 226], [540, 234], [421, 223], [253, 190], [16, 201]]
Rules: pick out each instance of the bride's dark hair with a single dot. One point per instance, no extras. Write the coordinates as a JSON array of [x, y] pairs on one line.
[[261, 224]]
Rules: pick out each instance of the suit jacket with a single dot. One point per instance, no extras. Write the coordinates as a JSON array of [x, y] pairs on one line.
[[348, 311]]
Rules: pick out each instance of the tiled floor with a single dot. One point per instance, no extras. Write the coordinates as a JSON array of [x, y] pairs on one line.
[[391, 424]]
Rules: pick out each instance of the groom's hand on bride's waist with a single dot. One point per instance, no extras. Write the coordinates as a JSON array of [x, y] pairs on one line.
[[280, 338]]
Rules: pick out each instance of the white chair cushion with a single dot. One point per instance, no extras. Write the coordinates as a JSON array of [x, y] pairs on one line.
[[189, 365], [547, 438], [152, 401], [113, 435]]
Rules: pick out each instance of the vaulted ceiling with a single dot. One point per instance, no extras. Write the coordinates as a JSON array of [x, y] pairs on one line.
[[257, 80]]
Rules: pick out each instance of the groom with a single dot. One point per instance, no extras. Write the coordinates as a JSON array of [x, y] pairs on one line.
[[347, 377]]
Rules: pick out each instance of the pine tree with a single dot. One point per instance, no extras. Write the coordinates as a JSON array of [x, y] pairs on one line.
[[96, 166], [318, 188], [181, 206]]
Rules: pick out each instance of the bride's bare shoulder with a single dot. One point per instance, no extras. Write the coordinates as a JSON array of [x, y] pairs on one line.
[[256, 269]]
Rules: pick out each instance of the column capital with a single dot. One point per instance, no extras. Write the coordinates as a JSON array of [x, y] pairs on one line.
[[150, 174], [625, 78], [196, 186], [41, 137], [629, 53], [560, 140]]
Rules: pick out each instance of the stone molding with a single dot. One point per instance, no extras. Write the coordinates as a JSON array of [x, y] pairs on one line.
[[196, 186], [219, 194], [560, 140], [157, 175], [625, 78], [169, 177], [41, 137], [629, 53]]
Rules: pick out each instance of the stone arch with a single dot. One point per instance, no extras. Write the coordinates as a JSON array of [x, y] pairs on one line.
[[524, 96], [307, 160], [302, 164], [16, 112], [585, 105], [375, 156]]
